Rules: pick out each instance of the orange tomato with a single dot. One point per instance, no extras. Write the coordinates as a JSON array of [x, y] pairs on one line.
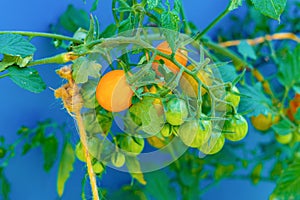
[[113, 93], [180, 56], [294, 105], [263, 122]]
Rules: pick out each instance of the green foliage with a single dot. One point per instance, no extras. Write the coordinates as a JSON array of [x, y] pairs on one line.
[[256, 173], [289, 182], [134, 169], [234, 4], [15, 45], [65, 167], [246, 50], [4, 185], [152, 4], [270, 8], [14, 60], [284, 127], [27, 78]]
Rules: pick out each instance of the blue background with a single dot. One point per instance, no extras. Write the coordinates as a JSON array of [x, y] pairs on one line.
[[19, 107]]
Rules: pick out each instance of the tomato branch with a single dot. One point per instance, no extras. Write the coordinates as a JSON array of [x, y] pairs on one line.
[[46, 35]]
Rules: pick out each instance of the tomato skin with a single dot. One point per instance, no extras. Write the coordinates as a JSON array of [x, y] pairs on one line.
[[235, 128], [213, 145], [131, 145], [180, 56], [118, 159], [79, 152], [176, 111], [113, 92], [195, 133], [230, 98], [284, 139], [98, 168], [264, 123]]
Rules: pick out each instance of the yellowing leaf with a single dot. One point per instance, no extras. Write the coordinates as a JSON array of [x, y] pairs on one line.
[[65, 167], [134, 169]]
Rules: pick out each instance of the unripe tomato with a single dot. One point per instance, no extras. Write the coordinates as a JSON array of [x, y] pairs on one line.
[[131, 145], [113, 93], [176, 111], [195, 133], [98, 167], [157, 142], [118, 159], [180, 56], [230, 98], [284, 139], [262, 122], [213, 145], [166, 130], [235, 128], [189, 85]]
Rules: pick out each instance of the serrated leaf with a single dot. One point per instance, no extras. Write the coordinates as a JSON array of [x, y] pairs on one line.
[[27, 78], [109, 31], [234, 4], [256, 173], [11, 60], [270, 8], [151, 4], [83, 68], [99, 122], [288, 184], [246, 50], [65, 167], [134, 169], [74, 18], [228, 72], [158, 185], [283, 127], [15, 45], [289, 69], [256, 103], [88, 93], [49, 148]]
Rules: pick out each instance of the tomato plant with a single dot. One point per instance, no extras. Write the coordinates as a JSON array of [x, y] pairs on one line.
[[170, 104]]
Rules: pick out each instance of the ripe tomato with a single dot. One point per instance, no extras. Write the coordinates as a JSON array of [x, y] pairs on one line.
[[113, 92], [195, 133], [284, 139], [131, 145], [262, 122], [294, 105], [118, 159], [189, 85], [176, 111], [235, 128], [180, 56], [213, 145]]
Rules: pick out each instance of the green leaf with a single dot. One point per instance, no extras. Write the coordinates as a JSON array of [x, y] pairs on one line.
[[159, 185], [127, 193], [65, 167], [234, 4], [151, 4], [297, 115], [228, 72], [27, 78], [88, 93], [11, 60], [256, 101], [170, 23], [94, 6], [256, 173], [270, 8], [289, 68], [223, 170], [4, 186], [50, 148], [74, 18], [288, 184], [84, 67], [109, 31], [246, 50], [134, 169], [15, 45], [283, 127]]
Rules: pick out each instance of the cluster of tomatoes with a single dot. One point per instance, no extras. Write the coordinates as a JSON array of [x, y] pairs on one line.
[[164, 116], [264, 122]]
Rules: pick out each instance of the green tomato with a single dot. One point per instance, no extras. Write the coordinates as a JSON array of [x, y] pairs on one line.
[[98, 167], [235, 128], [131, 145], [2, 152], [176, 111], [284, 139], [195, 133], [118, 159], [213, 145], [166, 130], [230, 98]]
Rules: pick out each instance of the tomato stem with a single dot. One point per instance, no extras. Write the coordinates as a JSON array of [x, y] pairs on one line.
[[41, 34], [4, 75]]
